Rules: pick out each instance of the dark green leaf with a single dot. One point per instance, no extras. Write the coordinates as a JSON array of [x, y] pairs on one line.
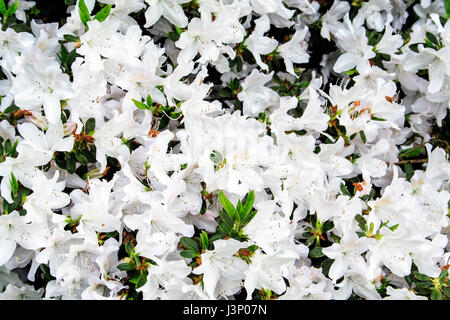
[[361, 221], [327, 226], [189, 244], [142, 279], [436, 294], [410, 153], [173, 35], [316, 252], [446, 291], [430, 36], [344, 190], [129, 248], [409, 171], [70, 162], [326, 265], [71, 38], [421, 276], [125, 267], [443, 276], [363, 136], [10, 150], [89, 126], [216, 237], [11, 108], [189, 254]]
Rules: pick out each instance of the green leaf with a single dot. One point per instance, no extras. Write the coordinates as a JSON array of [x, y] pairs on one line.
[[361, 221], [189, 254], [103, 14], [173, 35], [129, 248], [377, 119], [141, 280], [204, 240], [432, 38], [216, 157], [436, 294], [225, 218], [409, 171], [140, 105], [89, 126], [249, 217], [421, 276], [224, 228], [10, 149], [2, 7], [227, 205], [84, 13], [410, 153], [189, 244], [12, 9], [344, 190], [125, 267], [81, 158], [70, 162], [11, 108], [71, 38], [326, 265], [216, 237], [446, 291], [447, 8], [443, 276], [316, 252], [248, 205], [393, 228], [363, 136], [327, 226], [149, 101], [423, 284], [14, 185]]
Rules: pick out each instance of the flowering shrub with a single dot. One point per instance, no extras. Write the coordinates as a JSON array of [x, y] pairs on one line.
[[224, 149]]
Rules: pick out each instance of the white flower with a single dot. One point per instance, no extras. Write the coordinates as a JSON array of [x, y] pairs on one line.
[[221, 264], [42, 85], [346, 254], [258, 44], [257, 98], [265, 271], [436, 62], [353, 41], [294, 51], [402, 294], [169, 9]]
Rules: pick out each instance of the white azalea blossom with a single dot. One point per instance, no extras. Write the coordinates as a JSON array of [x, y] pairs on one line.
[[224, 150]]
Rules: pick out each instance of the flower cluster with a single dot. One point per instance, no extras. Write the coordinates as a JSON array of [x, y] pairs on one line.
[[225, 149]]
